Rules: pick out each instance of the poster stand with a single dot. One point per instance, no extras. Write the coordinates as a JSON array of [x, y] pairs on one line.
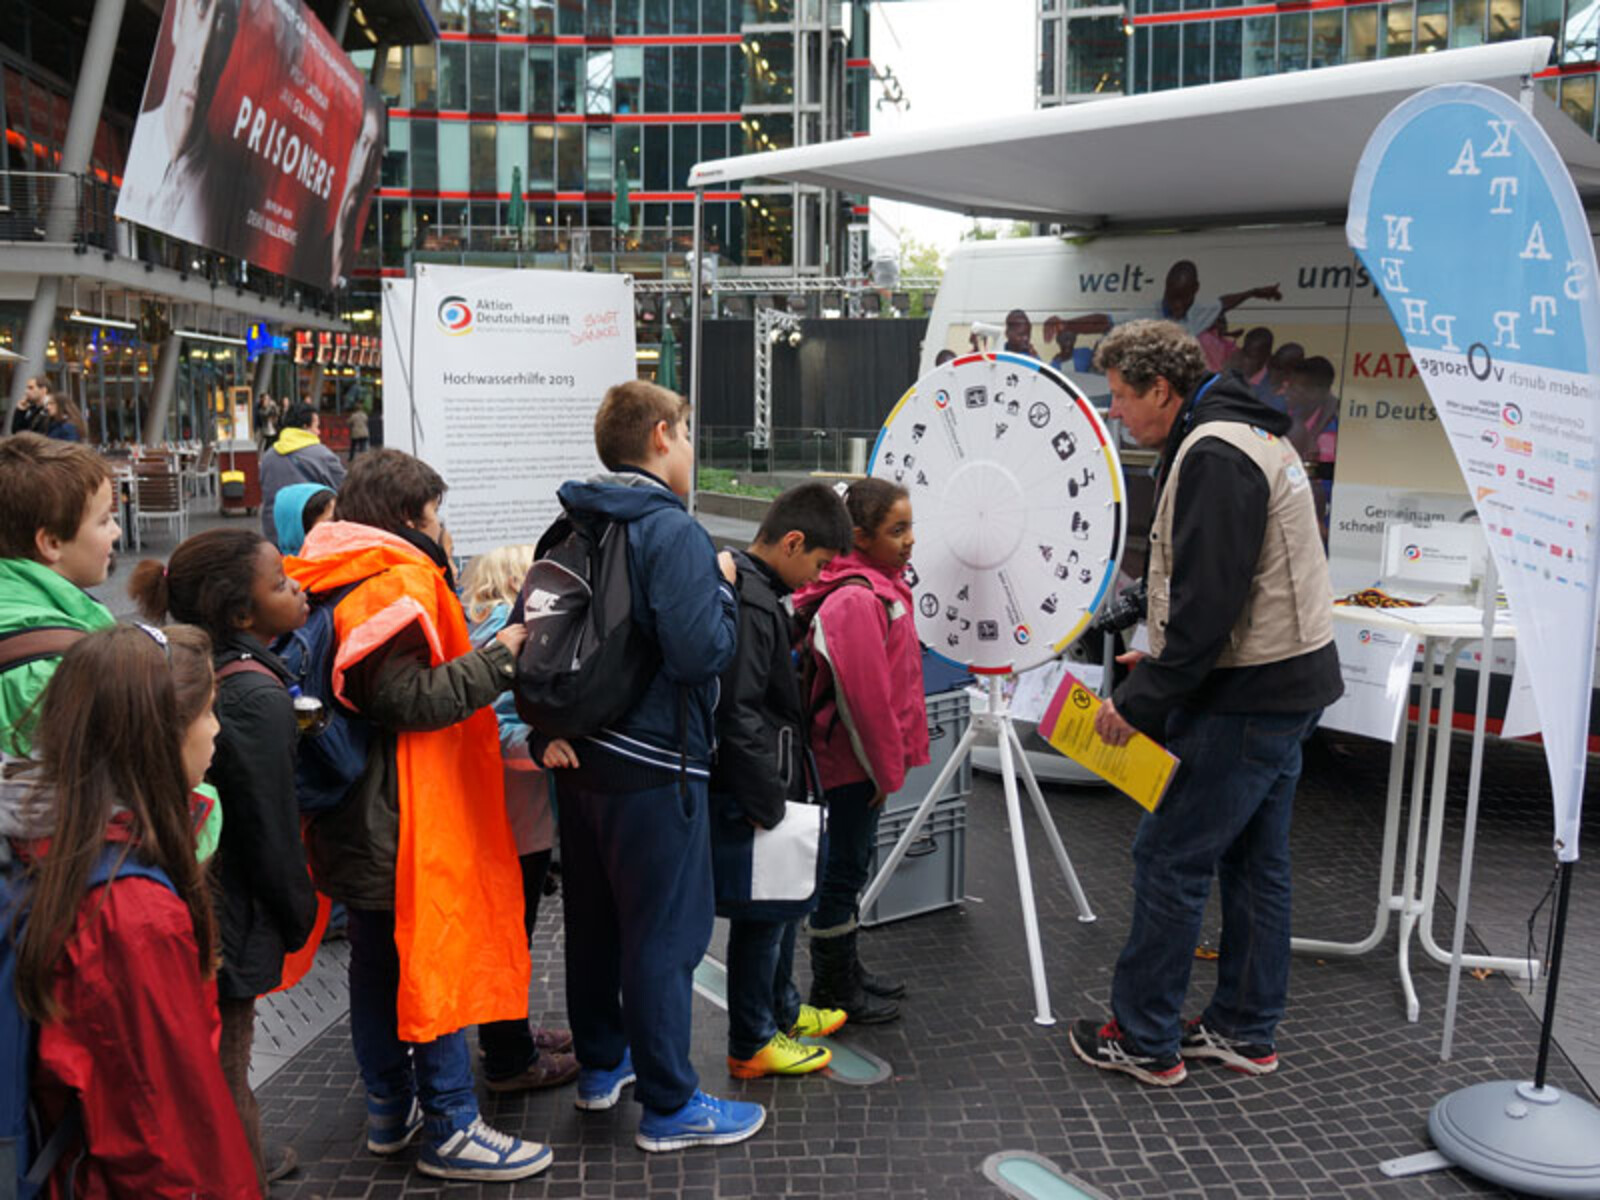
[[997, 720]]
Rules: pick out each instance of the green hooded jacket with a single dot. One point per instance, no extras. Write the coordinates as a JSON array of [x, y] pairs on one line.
[[32, 596]]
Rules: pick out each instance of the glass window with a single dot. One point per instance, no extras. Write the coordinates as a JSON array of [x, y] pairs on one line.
[[597, 84], [657, 158], [512, 16], [686, 79], [1466, 23], [569, 17], [480, 58], [627, 65], [629, 151], [1260, 46], [768, 131], [685, 153], [569, 79], [1361, 35], [769, 69], [599, 22], [512, 152], [1542, 19], [685, 16], [395, 154], [483, 145], [484, 16], [425, 156], [657, 79], [1577, 100], [1327, 38], [453, 167], [1164, 43], [1505, 20], [424, 78], [1433, 25], [1047, 57], [627, 17], [1196, 53], [541, 79], [453, 15], [452, 76], [714, 79], [714, 16], [654, 215], [657, 16], [601, 172], [768, 12], [1227, 50], [542, 157], [769, 230], [393, 74], [1294, 37], [452, 222], [713, 142], [1097, 52], [569, 158], [541, 16], [1139, 60], [396, 230], [513, 66], [1397, 29]]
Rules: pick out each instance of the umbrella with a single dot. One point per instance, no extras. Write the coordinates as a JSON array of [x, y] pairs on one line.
[[667, 371], [622, 206], [517, 210]]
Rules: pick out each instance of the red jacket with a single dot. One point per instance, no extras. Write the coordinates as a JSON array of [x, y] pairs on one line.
[[137, 1041], [868, 716]]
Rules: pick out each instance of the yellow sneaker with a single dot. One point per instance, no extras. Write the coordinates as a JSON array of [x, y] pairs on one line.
[[781, 1056], [818, 1022]]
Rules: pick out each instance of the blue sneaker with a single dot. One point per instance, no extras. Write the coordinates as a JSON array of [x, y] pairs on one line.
[[391, 1124], [480, 1153], [704, 1121], [598, 1089]]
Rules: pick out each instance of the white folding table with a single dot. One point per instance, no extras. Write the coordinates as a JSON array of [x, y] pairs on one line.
[[1446, 635]]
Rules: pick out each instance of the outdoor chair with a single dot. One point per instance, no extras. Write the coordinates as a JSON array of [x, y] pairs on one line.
[[158, 495]]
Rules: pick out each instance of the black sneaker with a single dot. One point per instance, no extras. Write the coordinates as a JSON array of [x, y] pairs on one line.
[[1104, 1046], [1248, 1058]]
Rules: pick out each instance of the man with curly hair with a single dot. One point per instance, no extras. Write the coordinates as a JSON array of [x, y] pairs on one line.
[[1240, 666]]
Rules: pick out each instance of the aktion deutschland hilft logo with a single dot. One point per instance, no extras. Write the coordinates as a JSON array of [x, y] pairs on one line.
[[455, 315]]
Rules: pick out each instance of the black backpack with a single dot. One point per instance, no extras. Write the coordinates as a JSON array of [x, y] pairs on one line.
[[586, 661]]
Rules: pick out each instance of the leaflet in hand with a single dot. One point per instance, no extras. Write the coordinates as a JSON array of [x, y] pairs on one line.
[[1141, 769]]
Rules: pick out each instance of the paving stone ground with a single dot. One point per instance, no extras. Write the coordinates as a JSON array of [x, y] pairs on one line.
[[973, 1074]]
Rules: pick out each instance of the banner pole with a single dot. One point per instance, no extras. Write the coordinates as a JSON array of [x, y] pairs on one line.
[[1554, 955], [694, 345]]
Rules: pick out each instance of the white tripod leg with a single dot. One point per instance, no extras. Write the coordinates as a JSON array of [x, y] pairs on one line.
[[1019, 853], [1085, 913]]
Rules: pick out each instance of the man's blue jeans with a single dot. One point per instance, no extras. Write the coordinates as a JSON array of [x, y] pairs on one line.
[[852, 826], [1227, 814], [439, 1073], [762, 997]]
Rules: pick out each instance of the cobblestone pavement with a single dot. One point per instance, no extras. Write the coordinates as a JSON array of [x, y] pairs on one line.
[[972, 1073]]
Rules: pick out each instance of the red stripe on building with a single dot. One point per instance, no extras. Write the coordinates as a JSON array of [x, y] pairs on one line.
[[861, 210], [598, 41], [1563, 69], [1248, 10], [859, 64], [394, 193], [520, 118]]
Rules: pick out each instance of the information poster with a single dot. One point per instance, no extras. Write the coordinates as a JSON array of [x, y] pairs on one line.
[[508, 370], [1377, 666], [1505, 339]]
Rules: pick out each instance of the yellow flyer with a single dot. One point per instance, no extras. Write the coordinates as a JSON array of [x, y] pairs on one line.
[[1142, 769]]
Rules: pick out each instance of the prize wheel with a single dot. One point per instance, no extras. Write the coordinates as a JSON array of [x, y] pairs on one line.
[[1017, 499]]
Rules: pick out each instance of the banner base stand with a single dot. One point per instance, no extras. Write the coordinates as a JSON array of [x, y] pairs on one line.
[[1541, 1141]]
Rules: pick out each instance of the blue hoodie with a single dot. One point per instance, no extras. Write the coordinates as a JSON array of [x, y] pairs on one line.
[[289, 514], [681, 600]]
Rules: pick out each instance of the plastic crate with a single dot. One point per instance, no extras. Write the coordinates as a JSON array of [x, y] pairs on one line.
[[948, 716], [932, 875]]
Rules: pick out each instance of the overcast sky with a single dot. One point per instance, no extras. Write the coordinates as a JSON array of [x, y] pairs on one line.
[[956, 60]]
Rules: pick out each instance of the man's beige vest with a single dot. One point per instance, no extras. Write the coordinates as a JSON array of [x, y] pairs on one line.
[[1290, 608]]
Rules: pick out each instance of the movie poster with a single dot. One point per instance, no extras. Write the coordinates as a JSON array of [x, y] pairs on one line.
[[258, 137]]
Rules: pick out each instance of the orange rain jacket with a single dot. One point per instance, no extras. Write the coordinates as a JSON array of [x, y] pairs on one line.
[[457, 887]]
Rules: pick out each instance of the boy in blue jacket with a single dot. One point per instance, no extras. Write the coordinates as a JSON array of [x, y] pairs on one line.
[[635, 841]]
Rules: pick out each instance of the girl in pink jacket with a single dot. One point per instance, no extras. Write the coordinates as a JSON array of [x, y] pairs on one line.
[[869, 726]]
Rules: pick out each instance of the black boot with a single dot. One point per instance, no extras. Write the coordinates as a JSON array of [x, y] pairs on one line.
[[876, 985], [834, 985]]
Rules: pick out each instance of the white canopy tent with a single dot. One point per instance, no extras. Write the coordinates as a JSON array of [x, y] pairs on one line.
[[1276, 148]]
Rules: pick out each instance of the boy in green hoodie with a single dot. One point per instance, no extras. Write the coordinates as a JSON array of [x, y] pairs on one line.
[[58, 527]]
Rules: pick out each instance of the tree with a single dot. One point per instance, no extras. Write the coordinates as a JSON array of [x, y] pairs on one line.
[[989, 231], [921, 259]]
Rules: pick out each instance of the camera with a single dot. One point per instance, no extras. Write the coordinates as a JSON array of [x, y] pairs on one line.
[[1127, 609]]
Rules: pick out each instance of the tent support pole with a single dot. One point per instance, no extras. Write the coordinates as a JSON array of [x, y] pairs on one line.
[[695, 290]]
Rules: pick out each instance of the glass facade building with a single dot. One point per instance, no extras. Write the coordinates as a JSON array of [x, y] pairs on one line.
[[561, 100], [1088, 51]]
